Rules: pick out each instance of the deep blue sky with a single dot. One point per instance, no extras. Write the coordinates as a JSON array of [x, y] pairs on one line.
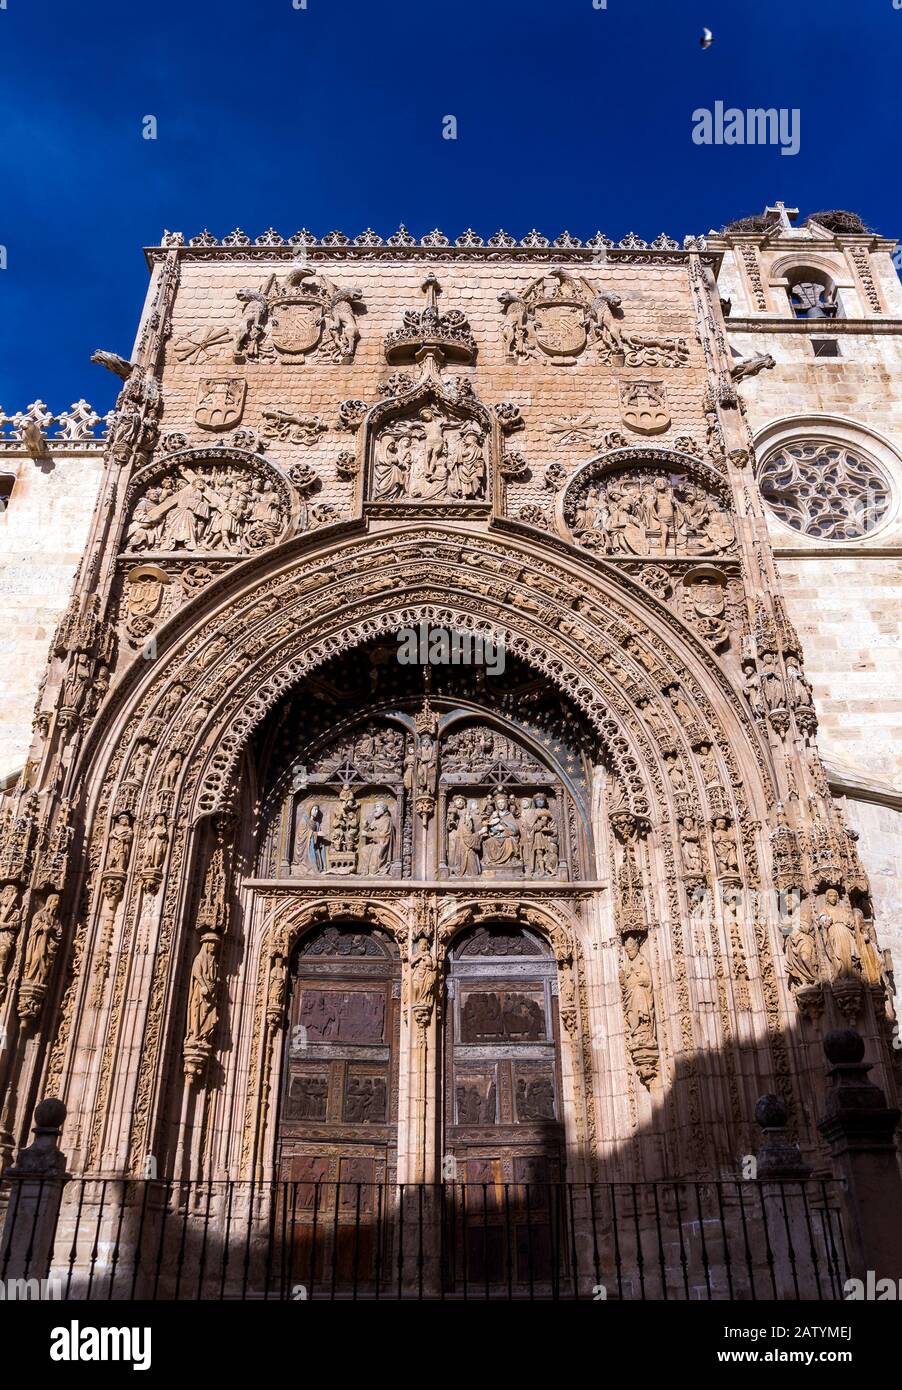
[[331, 117]]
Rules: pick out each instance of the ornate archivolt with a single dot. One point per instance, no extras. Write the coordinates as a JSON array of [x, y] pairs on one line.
[[612, 654]]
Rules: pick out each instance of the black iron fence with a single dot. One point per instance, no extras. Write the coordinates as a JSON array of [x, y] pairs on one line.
[[108, 1239]]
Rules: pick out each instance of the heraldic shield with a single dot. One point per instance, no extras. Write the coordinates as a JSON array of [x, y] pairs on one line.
[[560, 327], [220, 402], [296, 324]]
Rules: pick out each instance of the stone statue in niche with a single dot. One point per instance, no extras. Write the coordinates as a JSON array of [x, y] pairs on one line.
[[724, 842], [690, 847], [310, 842], [423, 981], [223, 508], [202, 1011], [501, 850], [637, 995], [464, 838], [430, 457], [772, 682], [651, 514], [837, 929], [119, 845], [541, 856], [10, 921], [44, 936], [377, 839], [868, 953], [344, 833], [800, 950]]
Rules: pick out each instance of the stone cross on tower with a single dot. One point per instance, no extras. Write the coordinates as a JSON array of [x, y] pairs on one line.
[[786, 216]]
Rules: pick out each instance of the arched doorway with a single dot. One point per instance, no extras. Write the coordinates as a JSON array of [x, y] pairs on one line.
[[338, 1108]]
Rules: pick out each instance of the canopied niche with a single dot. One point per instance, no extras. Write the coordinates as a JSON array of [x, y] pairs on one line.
[[432, 442]]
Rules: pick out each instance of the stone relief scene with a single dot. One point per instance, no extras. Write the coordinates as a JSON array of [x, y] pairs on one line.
[[431, 456], [648, 512], [426, 790], [225, 508]]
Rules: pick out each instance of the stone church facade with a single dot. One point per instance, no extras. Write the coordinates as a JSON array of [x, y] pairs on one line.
[[451, 724]]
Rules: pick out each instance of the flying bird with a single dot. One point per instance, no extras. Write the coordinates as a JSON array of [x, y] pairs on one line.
[[706, 39]]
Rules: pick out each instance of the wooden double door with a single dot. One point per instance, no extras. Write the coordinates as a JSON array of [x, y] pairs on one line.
[[497, 1214], [503, 1118]]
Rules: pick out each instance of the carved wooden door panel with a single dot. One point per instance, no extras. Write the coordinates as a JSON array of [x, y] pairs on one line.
[[503, 1126], [337, 1146]]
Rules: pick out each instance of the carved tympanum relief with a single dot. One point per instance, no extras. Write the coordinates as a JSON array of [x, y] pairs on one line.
[[401, 796], [230, 507], [558, 317], [632, 511]]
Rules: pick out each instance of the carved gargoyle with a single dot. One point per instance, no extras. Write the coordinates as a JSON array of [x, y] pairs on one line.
[[751, 366], [113, 363]]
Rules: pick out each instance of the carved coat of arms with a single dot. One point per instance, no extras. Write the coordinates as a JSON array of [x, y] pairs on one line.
[[560, 327], [643, 406], [303, 315], [220, 402], [561, 316], [296, 324]]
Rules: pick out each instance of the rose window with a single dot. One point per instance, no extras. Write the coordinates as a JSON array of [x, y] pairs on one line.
[[825, 490]]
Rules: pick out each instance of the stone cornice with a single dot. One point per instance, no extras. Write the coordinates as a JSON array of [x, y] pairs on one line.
[[816, 327], [533, 248]]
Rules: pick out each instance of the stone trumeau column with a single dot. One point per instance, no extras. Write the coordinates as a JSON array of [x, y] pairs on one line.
[[860, 1128]]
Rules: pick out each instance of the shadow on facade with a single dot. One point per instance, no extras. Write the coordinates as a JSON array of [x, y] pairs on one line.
[[778, 1233]]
